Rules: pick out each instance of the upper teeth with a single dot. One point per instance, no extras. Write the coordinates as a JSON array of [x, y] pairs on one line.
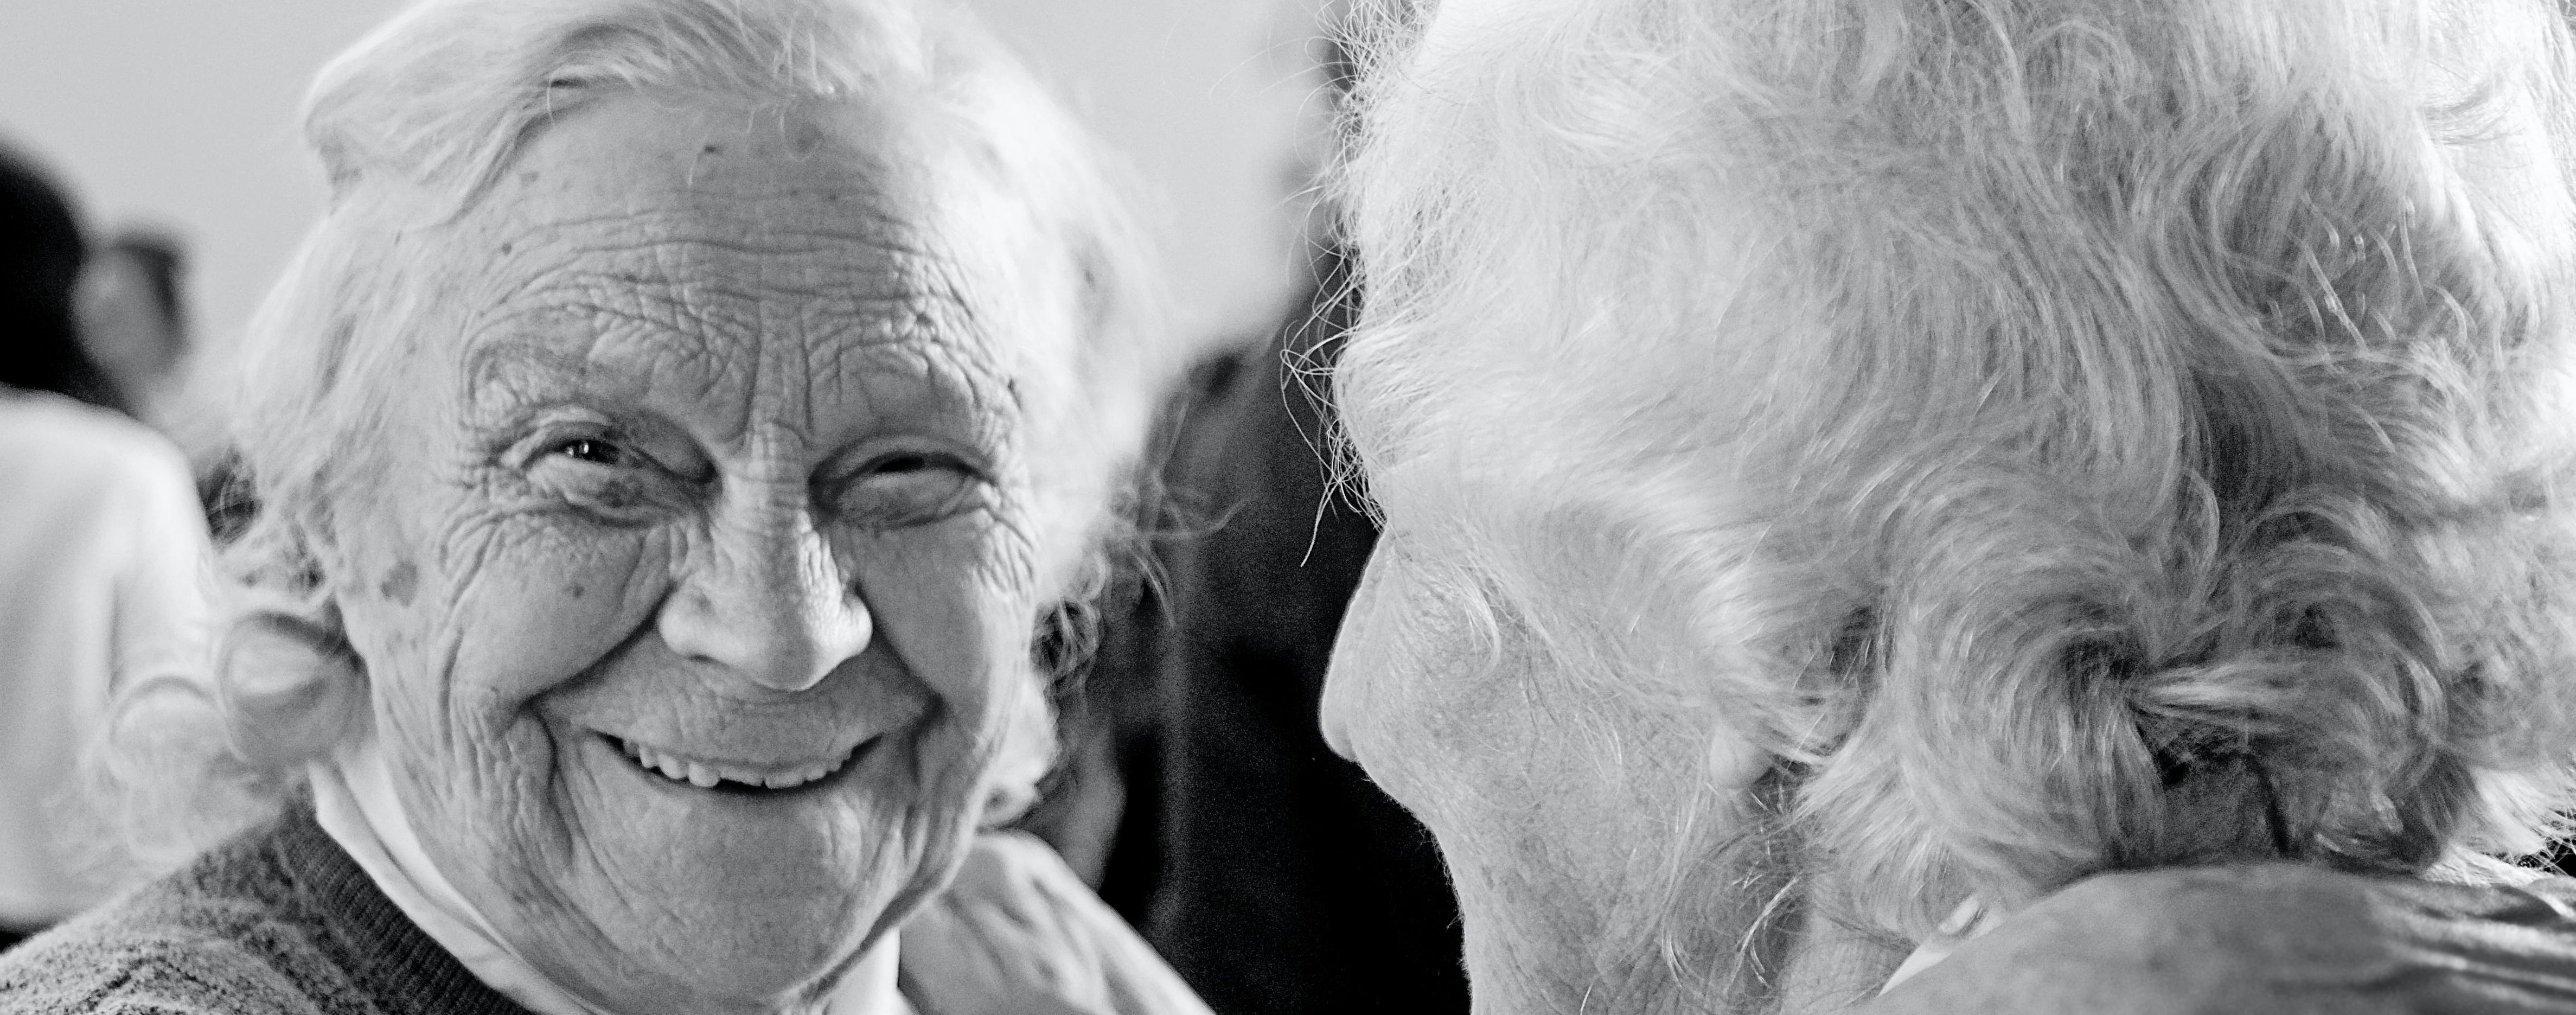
[[708, 773]]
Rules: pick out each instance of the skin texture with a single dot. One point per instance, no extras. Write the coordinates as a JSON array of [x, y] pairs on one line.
[[1571, 811], [699, 441]]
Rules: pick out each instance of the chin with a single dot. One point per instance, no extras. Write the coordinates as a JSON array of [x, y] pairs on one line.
[[672, 895]]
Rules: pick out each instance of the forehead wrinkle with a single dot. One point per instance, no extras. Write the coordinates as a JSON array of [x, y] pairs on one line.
[[644, 245], [923, 336], [510, 361], [716, 303], [703, 297], [580, 349], [947, 378]]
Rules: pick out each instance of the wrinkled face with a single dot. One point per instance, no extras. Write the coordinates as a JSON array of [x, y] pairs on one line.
[[685, 563]]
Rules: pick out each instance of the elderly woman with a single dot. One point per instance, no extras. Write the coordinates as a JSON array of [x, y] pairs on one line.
[[668, 445], [1854, 469]]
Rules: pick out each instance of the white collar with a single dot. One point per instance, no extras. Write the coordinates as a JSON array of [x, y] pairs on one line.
[[1965, 923], [353, 798]]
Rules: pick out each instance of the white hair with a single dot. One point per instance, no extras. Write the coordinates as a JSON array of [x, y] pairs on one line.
[[412, 124], [2070, 435]]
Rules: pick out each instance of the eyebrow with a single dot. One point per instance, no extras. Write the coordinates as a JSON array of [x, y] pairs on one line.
[[508, 365], [555, 344]]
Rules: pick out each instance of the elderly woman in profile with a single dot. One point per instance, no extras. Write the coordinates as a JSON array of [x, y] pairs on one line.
[[668, 445], [2078, 486]]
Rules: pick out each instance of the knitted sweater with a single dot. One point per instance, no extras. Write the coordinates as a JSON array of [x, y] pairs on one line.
[[277, 922]]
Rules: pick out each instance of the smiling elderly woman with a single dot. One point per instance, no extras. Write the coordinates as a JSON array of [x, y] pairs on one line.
[[1856, 467], [668, 445]]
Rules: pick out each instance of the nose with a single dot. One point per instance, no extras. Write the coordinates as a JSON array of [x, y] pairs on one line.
[[768, 603], [1350, 645], [1337, 734]]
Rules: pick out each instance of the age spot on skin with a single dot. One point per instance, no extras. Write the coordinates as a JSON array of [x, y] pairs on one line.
[[401, 583]]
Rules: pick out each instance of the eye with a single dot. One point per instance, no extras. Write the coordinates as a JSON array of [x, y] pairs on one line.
[[906, 488], [902, 463], [594, 450], [604, 473]]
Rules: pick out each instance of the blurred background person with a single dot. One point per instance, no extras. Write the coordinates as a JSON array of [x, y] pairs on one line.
[[46, 251], [133, 313], [101, 546]]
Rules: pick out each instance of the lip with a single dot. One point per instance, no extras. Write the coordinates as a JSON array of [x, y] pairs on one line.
[[730, 780]]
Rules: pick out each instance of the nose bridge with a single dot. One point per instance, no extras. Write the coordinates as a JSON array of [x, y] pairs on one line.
[[766, 598]]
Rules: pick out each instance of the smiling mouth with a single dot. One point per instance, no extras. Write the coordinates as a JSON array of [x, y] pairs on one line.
[[732, 776]]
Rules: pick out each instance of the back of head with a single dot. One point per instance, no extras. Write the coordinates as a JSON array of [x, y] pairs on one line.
[[2077, 435], [41, 254]]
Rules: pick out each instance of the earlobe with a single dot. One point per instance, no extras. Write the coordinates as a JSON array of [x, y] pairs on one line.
[[290, 688]]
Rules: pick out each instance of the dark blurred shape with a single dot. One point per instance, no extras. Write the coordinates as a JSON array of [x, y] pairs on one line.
[[224, 486], [133, 313], [42, 253], [1287, 882]]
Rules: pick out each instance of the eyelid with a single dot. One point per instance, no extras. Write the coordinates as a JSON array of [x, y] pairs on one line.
[[937, 454], [931, 459], [945, 485]]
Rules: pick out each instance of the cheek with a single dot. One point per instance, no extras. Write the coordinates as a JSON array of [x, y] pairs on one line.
[[536, 604], [459, 634], [960, 619], [1485, 735]]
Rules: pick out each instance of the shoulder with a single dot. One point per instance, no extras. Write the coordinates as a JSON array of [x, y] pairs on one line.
[[218, 937], [66, 449], [2268, 937], [2333, 917], [77, 430], [71, 973], [106, 963]]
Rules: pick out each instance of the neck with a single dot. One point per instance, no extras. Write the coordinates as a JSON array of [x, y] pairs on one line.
[[1743, 937], [1834, 967]]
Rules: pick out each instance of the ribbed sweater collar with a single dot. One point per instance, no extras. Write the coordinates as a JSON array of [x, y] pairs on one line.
[[380, 948]]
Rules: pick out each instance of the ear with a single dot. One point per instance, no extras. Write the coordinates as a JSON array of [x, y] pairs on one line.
[[291, 689]]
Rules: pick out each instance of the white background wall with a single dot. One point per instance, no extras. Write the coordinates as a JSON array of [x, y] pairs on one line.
[[182, 113]]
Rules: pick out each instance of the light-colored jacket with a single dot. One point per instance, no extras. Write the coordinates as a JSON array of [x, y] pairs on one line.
[[103, 548]]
